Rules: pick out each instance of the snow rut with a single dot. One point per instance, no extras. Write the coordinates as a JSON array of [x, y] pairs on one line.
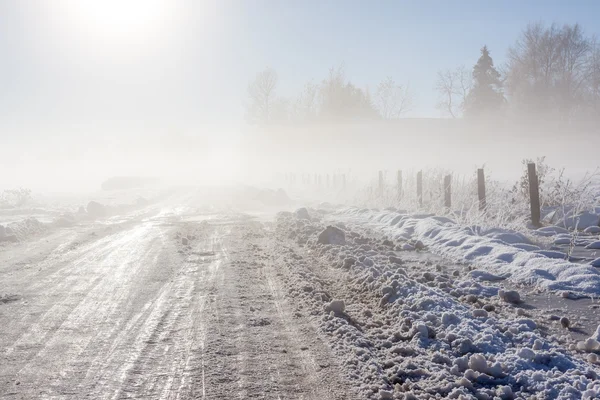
[[254, 343], [143, 313]]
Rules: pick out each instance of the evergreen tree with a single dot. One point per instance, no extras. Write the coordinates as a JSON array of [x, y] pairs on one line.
[[486, 95]]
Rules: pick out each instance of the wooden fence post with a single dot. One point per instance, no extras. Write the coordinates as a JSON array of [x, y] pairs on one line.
[[534, 194], [481, 188], [448, 191], [344, 181], [380, 183], [420, 188], [399, 179]]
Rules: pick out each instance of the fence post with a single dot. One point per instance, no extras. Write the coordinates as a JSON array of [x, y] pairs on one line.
[[420, 188], [399, 179], [481, 188], [344, 181], [534, 194], [380, 183], [448, 191], [327, 181]]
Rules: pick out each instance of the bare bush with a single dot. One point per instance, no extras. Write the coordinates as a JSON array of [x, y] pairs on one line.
[[15, 197]]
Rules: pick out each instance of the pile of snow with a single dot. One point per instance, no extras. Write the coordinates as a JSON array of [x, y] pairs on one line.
[[499, 251], [332, 235], [96, 209], [570, 219], [406, 330], [7, 235], [20, 230], [302, 213]]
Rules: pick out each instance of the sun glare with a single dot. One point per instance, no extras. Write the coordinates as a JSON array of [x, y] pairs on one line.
[[119, 19]]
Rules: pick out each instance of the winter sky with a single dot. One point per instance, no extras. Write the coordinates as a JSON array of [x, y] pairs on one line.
[[67, 63], [107, 74]]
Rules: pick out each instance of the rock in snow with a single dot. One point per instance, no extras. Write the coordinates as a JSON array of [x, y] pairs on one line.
[[332, 235], [302, 213], [337, 306], [480, 313], [509, 296], [96, 210]]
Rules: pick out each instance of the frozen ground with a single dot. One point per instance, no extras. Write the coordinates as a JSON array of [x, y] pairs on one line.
[[197, 295]]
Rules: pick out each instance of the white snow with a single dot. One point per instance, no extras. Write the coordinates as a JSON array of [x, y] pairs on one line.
[[490, 250], [423, 333]]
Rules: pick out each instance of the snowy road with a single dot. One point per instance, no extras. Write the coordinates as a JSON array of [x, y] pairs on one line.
[[130, 311]]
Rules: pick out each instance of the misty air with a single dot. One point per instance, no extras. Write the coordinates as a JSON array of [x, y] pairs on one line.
[[392, 200]]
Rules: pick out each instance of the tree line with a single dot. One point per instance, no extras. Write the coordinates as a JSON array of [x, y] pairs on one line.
[[551, 72], [333, 98]]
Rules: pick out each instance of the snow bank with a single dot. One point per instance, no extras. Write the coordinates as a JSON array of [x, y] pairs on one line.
[[409, 330], [567, 218], [498, 251]]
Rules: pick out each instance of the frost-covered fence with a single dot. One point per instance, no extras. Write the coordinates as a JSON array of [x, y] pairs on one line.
[[534, 195], [474, 198], [448, 191], [479, 199], [399, 184], [481, 188]]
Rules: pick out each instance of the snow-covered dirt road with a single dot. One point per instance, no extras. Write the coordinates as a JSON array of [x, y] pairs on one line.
[[155, 308], [176, 302]]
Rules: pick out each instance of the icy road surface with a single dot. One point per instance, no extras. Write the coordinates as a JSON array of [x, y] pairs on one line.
[[128, 310]]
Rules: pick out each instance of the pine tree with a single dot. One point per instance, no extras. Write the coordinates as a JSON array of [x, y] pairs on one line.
[[486, 96]]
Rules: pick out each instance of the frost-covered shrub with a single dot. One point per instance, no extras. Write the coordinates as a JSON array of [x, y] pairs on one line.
[[15, 197]]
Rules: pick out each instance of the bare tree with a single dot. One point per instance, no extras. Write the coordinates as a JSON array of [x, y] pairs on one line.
[[393, 100], [280, 110], [340, 99], [549, 70], [261, 94], [593, 74], [453, 87], [305, 107]]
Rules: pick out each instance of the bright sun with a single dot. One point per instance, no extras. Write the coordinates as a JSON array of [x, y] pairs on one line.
[[119, 19]]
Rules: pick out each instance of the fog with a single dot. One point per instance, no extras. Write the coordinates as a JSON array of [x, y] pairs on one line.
[[189, 93], [277, 199], [255, 155]]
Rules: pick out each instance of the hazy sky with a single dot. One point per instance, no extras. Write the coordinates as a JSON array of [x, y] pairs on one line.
[[94, 73], [169, 63]]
